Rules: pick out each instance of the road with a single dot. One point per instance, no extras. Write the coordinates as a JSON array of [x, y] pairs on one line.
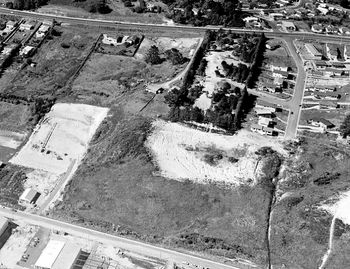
[[120, 242], [154, 27], [296, 101]]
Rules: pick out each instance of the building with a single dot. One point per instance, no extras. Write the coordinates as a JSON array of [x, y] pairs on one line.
[[333, 72], [262, 130], [344, 30], [320, 65], [250, 19], [327, 95], [288, 26], [29, 196], [321, 122], [279, 68], [323, 10], [67, 257], [26, 26], [317, 28], [276, 16], [267, 106], [330, 29], [313, 51], [27, 51], [266, 122], [332, 52], [281, 74], [43, 29], [49, 255], [3, 224]]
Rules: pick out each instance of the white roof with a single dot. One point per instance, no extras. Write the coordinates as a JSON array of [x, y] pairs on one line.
[[67, 257], [49, 254]]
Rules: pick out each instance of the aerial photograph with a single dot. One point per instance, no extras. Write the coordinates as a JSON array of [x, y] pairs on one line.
[[174, 134]]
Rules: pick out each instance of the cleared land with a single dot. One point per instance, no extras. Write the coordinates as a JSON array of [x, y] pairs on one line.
[[183, 153]]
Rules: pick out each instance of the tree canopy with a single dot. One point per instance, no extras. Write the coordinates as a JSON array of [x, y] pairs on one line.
[[345, 126], [152, 56]]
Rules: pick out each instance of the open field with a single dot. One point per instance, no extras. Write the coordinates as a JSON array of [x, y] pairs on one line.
[[300, 224], [14, 117]]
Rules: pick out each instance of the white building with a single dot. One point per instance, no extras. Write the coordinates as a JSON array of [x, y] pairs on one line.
[[28, 196], [288, 26], [49, 254], [26, 51]]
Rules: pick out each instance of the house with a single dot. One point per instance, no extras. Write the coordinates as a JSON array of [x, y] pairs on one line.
[[344, 30], [279, 73], [29, 196], [9, 49], [288, 26], [256, 128], [250, 19], [330, 29], [266, 122], [323, 10], [279, 68], [262, 130], [325, 88], [109, 40], [43, 29], [317, 28], [132, 40], [278, 81], [26, 26], [313, 51], [266, 105], [321, 122], [270, 87], [338, 65], [320, 65], [27, 51], [276, 16], [264, 113], [327, 95], [333, 72]]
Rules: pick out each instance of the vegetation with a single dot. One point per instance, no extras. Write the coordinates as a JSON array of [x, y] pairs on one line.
[[153, 56], [28, 4], [175, 56], [345, 126], [206, 12]]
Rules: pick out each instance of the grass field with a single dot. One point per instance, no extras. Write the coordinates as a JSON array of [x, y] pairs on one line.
[[14, 117], [300, 227], [128, 195]]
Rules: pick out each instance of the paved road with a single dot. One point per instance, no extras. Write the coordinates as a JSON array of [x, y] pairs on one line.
[[120, 242], [296, 101], [154, 27]]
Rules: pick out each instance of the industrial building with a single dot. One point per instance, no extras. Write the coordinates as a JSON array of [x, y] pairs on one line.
[[58, 255], [3, 225]]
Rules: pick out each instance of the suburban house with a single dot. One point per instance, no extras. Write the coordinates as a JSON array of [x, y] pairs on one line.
[[317, 28], [321, 65], [344, 30], [26, 26], [250, 19], [321, 122], [313, 51], [288, 26], [327, 95], [266, 122], [265, 105], [270, 87], [281, 74], [27, 51], [279, 68], [262, 130], [43, 29], [333, 72]]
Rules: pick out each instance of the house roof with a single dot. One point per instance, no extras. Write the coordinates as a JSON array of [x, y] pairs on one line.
[[320, 63], [28, 195], [338, 65], [257, 126], [322, 120], [67, 256]]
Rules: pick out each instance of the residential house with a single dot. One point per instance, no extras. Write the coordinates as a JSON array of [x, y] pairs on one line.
[[320, 65], [321, 122], [270, 87], [26, 26], [250, 19], [344, 30], [330, 29], [27, 51], [279, 73], [279, 68], [276, 16], [262, 130], [327, 95], [288, 26], [313, 51], [266, 122], [317, 28], [323, 10], [332, 52], [266, 105], [43, 29], [333, 72], [132, 40]]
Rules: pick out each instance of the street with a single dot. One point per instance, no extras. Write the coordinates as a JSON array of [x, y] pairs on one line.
[[120, 242]]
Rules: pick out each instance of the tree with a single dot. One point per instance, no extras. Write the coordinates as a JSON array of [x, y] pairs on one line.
[[175, 56], [345, 126], [152, 56]]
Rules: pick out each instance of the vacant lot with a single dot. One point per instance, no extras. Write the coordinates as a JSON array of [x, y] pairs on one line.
[[14, 117]]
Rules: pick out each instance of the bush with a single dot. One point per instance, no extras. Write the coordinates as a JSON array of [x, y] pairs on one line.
[[152, 56]]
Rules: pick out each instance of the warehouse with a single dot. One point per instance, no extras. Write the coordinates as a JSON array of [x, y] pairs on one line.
[[49, 254], [68, 257], [3, 225], [29, 196]]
